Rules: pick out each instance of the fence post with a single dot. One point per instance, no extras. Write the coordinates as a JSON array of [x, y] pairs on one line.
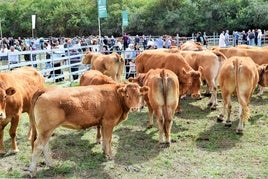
[[177, 40], [264, 36]]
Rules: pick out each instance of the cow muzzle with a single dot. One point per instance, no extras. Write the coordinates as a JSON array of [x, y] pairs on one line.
[[2, 115], [136, 109], [196, 96]]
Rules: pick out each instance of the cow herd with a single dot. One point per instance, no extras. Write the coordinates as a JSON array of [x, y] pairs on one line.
[[103, 99]]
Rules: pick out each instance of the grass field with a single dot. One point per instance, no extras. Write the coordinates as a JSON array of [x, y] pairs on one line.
[[202, 148]]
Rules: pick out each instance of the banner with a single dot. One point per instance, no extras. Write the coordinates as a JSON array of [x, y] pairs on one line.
[[124, 18], [102, 11], [33, 21]]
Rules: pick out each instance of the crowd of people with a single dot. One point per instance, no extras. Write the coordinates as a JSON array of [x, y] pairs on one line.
[[251, 37], [55, 48]]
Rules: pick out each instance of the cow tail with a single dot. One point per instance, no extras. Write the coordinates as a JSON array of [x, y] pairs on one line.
[[164, 77], [32, 118], [245, 109]]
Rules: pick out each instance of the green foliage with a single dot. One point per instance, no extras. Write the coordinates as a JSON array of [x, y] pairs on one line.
[[155, 17]]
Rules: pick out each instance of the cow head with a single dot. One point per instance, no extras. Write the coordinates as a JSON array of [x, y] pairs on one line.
[[131, 94], [263, 74], [118, 58], [4, 94], [138, 79], [193, 83], [87, 58]]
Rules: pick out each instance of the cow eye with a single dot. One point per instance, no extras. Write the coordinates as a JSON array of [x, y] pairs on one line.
[[5, 97]]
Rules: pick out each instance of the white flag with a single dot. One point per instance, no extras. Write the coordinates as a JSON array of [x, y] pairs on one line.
[[33, 21]]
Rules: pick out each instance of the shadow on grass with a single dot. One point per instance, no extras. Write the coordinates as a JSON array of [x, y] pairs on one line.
[[73, 157], [219, 137], [135, 147]]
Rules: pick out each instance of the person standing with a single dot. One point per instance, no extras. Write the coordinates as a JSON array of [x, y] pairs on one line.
[[129, 55], [47, 47], [33, 48], [75, 62], [125, 41], [251, 37], [13, 56], [222, 40], [3, 54], [227, 42], [259, 38], [244, 37]]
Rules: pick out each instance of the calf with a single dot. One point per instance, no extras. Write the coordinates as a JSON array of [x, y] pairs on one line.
[[16, 90], [111, 65], [80, 108], [210, 64], [95, 77], [237, 75], [162, 99]]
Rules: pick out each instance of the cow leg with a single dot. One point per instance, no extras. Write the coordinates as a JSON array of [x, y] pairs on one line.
[[167, 128], [151, 117], [39, 146], [107, 131], [12, 133], [98, 136], [229, 110], [226, 108], [213, 99], [47, 155], [244, 112], [2, 144], [261, 90], [160, 122]]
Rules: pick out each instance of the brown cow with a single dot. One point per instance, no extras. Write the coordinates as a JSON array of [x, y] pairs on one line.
[[258, 55], [162, 99], [239, 75], [16, 90], [210, 64], [110, 65], [263, 77], [95, 77], [191, 46], [80, 108], [189, 79]]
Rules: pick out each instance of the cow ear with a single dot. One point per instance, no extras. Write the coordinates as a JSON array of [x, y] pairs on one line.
[[133, 80], [144, 90], [121, 91], [10, 91], [266, 67]]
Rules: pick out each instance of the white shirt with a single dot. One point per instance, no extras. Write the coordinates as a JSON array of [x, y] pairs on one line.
[[13, 57]]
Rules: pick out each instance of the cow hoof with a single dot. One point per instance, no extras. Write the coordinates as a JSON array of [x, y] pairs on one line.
[[239, 131], [15, 151], [228, 124], [149, 126], [207, 94], [213, 107], [220, 118], [2, 152], [167, 144]]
